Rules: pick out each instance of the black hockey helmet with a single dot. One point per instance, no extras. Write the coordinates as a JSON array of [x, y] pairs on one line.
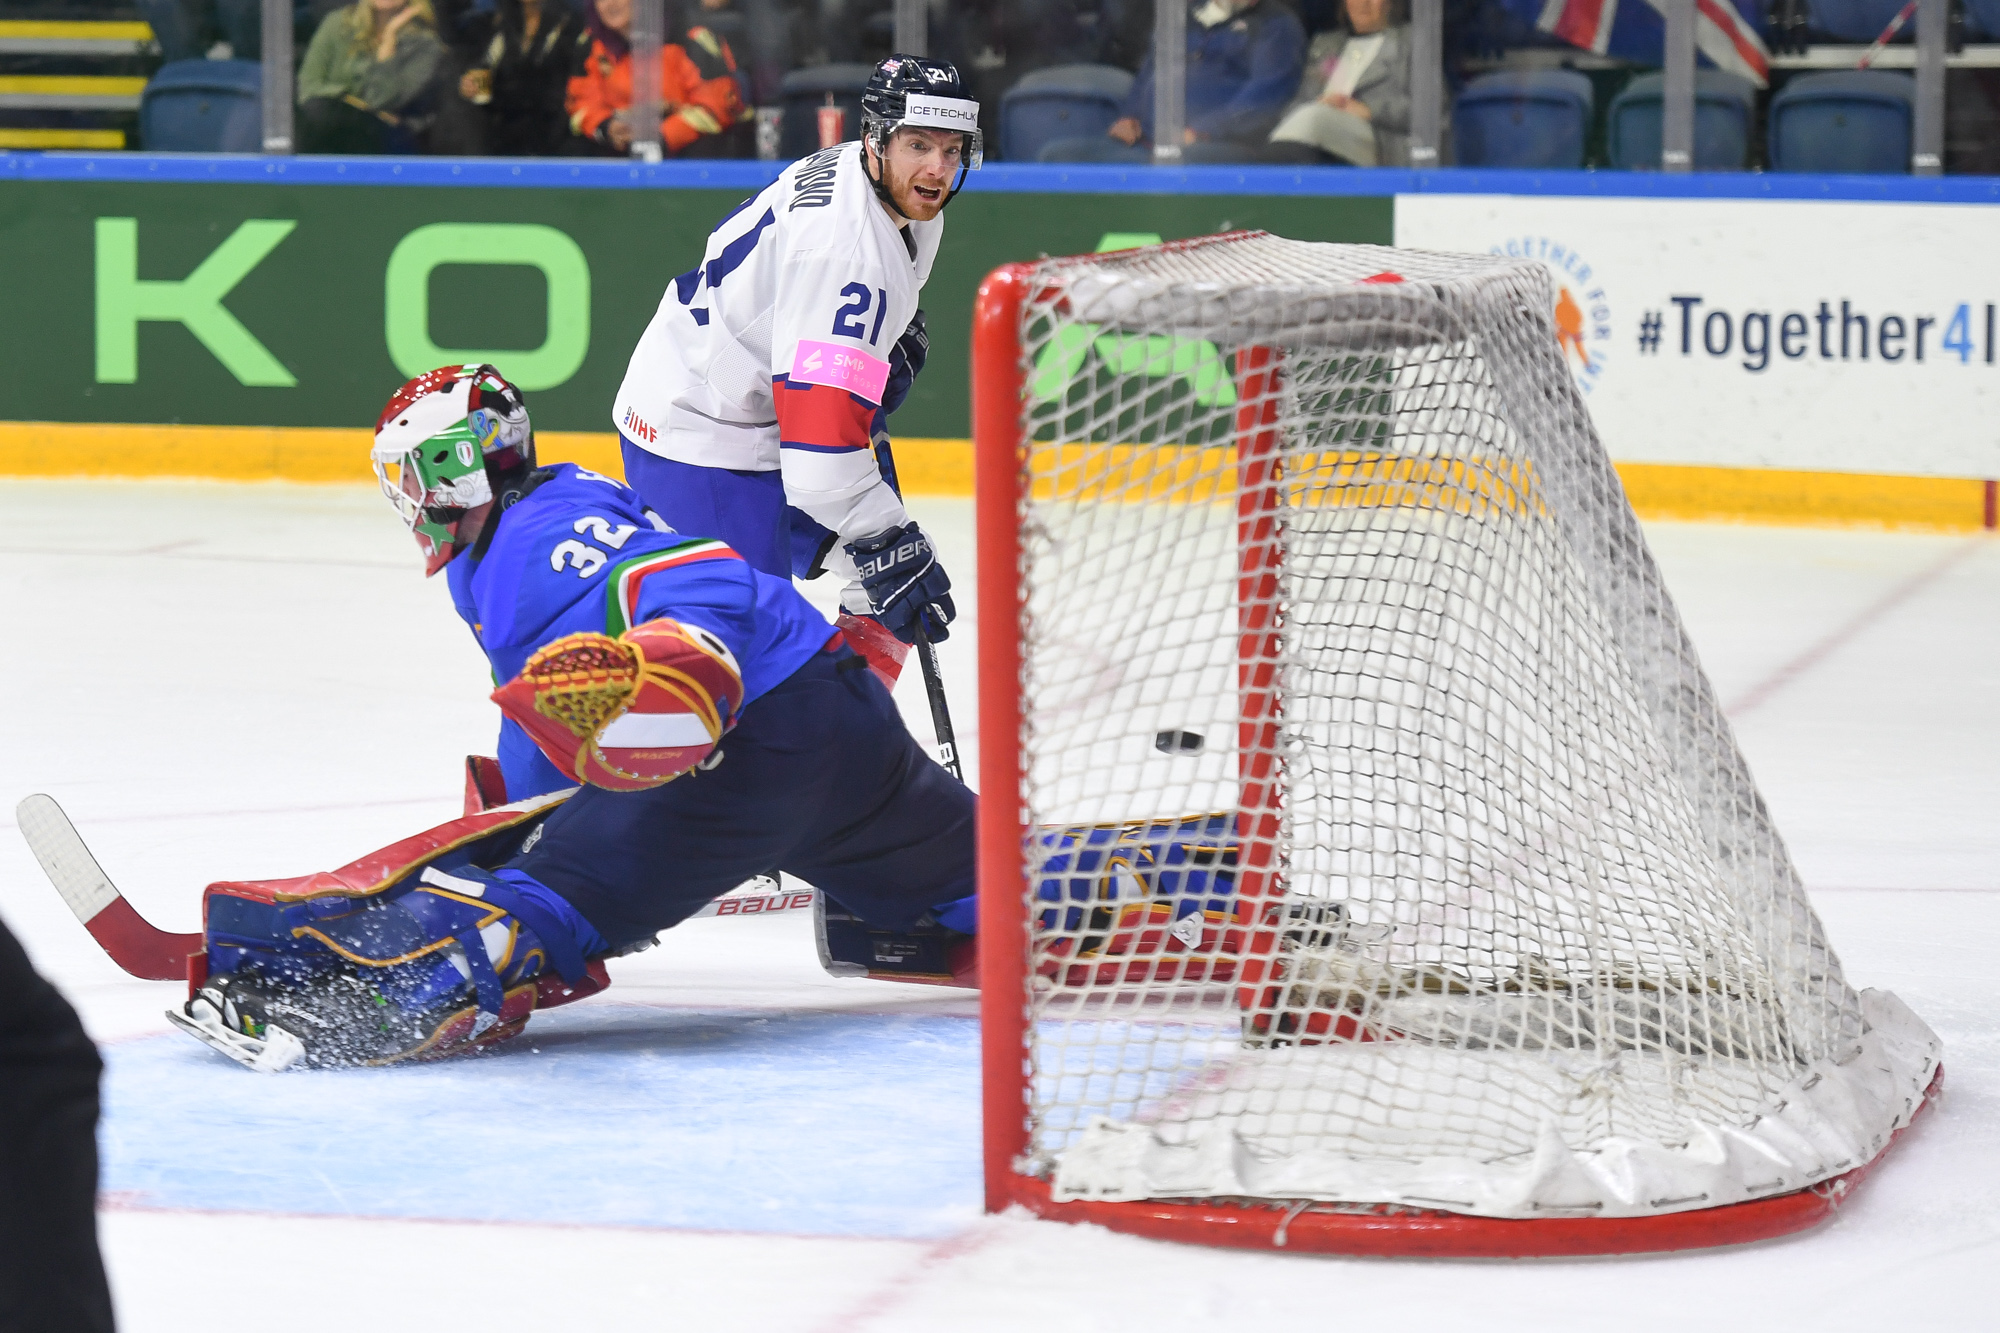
[[925, 94]]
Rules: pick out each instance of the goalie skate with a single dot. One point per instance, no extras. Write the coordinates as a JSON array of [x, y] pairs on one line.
[[213, 1018], [269, 1024]]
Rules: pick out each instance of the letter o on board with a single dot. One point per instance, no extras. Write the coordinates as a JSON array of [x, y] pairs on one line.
[[406, 304]]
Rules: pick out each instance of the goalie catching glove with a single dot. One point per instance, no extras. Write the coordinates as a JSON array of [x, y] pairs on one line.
[[627, 713]]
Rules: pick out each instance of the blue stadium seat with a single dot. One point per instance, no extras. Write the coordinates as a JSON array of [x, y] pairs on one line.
[[1855, 120], [1523, 118], [1855, 20], [203, 106], [1723, 104], [1061, 102], [804, 92]]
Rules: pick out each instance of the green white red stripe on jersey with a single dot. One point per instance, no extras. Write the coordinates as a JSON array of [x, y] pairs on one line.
[[627, 575]]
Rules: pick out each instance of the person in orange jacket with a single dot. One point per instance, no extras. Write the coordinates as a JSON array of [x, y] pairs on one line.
[[701, 101]]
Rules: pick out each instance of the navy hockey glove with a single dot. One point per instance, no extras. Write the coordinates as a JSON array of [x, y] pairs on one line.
[[906, 362], [906, 585]]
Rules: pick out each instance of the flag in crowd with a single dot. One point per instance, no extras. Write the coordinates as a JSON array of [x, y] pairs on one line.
[[1725, 31]]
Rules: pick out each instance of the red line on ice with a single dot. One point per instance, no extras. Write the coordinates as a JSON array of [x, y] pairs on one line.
[[897, 1289], [1761, 692]]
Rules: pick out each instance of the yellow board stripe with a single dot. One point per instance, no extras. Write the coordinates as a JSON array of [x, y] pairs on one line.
[[14, 138], [236, 453], [944, 467], [96, 85], [76, 30], [1836, 499]]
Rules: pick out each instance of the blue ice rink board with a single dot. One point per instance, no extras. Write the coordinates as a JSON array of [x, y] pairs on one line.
[[755, 1121], [999, 177]]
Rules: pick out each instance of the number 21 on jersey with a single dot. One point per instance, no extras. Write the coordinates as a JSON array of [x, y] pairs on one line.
[[849, 320]]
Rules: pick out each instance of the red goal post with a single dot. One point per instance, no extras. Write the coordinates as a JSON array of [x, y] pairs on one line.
[[1000, 394]]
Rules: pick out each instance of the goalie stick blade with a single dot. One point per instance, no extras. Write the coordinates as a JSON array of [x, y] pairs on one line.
[[134, 943]]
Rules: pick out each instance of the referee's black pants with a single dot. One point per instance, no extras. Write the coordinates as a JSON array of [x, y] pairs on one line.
[[51, 1278]]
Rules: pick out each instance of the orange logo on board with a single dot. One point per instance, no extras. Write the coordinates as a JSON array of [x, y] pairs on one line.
[[1582, 311], [1569, 326]]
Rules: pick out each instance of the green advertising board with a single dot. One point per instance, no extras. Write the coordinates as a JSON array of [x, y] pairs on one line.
[[297, 304]]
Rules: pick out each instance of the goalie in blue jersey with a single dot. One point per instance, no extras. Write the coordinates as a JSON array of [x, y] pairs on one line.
[[719, 727]]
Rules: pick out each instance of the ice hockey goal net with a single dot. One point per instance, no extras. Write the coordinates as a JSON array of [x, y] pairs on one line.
[[1365, 861]]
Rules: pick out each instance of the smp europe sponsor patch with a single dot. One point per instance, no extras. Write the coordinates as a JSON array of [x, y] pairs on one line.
[[839, 367]]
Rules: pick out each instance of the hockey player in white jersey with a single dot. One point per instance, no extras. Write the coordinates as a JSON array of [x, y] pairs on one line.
[[752, 402]]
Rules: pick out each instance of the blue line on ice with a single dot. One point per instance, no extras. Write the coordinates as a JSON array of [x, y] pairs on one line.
[[816, 1124]]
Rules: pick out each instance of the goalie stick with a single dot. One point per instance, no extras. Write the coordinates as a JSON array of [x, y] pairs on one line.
[[134, 943], [152, 954]]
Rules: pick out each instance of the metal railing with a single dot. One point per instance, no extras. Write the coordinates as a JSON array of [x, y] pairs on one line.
[[649, 34], [912, 19], [277, 83]]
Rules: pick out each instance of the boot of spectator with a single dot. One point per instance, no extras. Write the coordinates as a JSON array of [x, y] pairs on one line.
[[183, 27]]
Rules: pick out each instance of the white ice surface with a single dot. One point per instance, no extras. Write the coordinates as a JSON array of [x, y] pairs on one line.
[[224, 681]]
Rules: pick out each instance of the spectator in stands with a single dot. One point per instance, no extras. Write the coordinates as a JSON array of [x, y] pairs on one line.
[[1353, 104], [700, 101], [364, 74], [1243, 62], [512, 65]]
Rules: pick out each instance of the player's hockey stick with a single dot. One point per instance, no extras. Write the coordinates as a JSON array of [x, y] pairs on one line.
[[134, 943], [940, 708], [885, 458]]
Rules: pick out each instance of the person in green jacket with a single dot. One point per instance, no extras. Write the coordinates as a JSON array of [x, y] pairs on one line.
[[368, 63]]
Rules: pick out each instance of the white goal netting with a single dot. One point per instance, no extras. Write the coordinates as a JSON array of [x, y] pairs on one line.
[[1390, 846]]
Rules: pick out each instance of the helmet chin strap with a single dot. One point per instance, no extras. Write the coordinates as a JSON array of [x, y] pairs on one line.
[[881, 182]]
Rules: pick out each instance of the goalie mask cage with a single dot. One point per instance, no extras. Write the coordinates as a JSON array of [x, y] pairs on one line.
[[1365, 863]]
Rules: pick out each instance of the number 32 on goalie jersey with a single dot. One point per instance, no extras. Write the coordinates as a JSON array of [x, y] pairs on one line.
[[587, 560]]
